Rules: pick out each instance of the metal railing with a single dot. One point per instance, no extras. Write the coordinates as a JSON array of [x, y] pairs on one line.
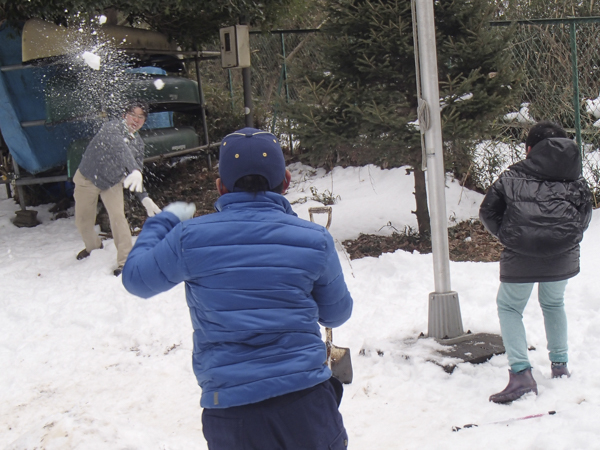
[[560, 82]]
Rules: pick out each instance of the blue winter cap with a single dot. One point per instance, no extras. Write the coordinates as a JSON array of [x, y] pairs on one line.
[[251, 152]]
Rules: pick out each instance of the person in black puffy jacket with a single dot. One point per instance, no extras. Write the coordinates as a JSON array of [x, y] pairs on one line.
[[538, 208]]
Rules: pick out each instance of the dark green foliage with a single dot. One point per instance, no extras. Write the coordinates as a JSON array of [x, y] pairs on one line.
[[361, 99], [361, 102], [189, 22], [473, 58]]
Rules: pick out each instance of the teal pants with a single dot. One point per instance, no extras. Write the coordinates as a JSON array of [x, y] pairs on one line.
[[512, 299]]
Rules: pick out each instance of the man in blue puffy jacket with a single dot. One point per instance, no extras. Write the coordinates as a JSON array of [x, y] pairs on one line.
[[259, 280], [538, 209]]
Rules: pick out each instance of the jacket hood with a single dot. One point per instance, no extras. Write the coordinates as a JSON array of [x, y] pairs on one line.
[[553, 159]]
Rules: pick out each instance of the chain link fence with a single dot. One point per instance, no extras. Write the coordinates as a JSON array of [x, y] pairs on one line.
[[277, 59], [560, 81], [560, 62]]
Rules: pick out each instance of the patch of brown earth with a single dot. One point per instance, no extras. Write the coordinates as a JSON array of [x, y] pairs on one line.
[[467, 241], [191, 181], [187, 181]]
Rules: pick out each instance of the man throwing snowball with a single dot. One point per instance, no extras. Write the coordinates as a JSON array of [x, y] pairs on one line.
[[113, 160], [259, 280]]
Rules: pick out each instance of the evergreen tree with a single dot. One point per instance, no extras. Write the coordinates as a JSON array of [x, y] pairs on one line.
[[362, 102]]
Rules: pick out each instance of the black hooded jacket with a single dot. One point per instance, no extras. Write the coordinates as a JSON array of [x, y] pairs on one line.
[[539, 209]]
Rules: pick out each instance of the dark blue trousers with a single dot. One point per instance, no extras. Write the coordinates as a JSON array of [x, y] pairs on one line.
[[302, 420]]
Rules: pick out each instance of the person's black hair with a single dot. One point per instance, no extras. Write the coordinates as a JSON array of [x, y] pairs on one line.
[[256, 184], [544, 130], [137, 104]]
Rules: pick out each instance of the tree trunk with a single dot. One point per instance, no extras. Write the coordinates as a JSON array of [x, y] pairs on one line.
[[422, 211]]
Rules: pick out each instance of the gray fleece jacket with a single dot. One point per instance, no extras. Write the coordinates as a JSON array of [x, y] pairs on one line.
[[111, 155]]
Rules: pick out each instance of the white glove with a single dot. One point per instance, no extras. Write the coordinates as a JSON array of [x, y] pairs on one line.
[[150, 206], [133, 182], [182, 210]]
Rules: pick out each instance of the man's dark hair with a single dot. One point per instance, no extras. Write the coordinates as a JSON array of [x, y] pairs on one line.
[[137, 104], [256, 184], [544, 130]]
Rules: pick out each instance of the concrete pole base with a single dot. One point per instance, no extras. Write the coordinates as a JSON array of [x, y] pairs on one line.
[[444, 316]]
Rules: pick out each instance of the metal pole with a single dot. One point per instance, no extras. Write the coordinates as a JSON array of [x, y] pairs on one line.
[[19, 187], [203, 112], [576, 103], [282, 79], [287, 89], [444, 309], [274, 121], [231, 89], [247, 83], [285, 80]]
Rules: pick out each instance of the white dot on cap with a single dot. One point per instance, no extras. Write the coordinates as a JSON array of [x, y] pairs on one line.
[[275, 140], [265, 155], [224, 143], [237, 155]]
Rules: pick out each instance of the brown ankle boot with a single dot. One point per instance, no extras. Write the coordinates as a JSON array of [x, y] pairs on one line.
[[519, 384], [82, 254], [559, 370]]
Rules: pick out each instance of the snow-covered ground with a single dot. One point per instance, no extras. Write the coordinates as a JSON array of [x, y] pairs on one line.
[[85, 365]]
